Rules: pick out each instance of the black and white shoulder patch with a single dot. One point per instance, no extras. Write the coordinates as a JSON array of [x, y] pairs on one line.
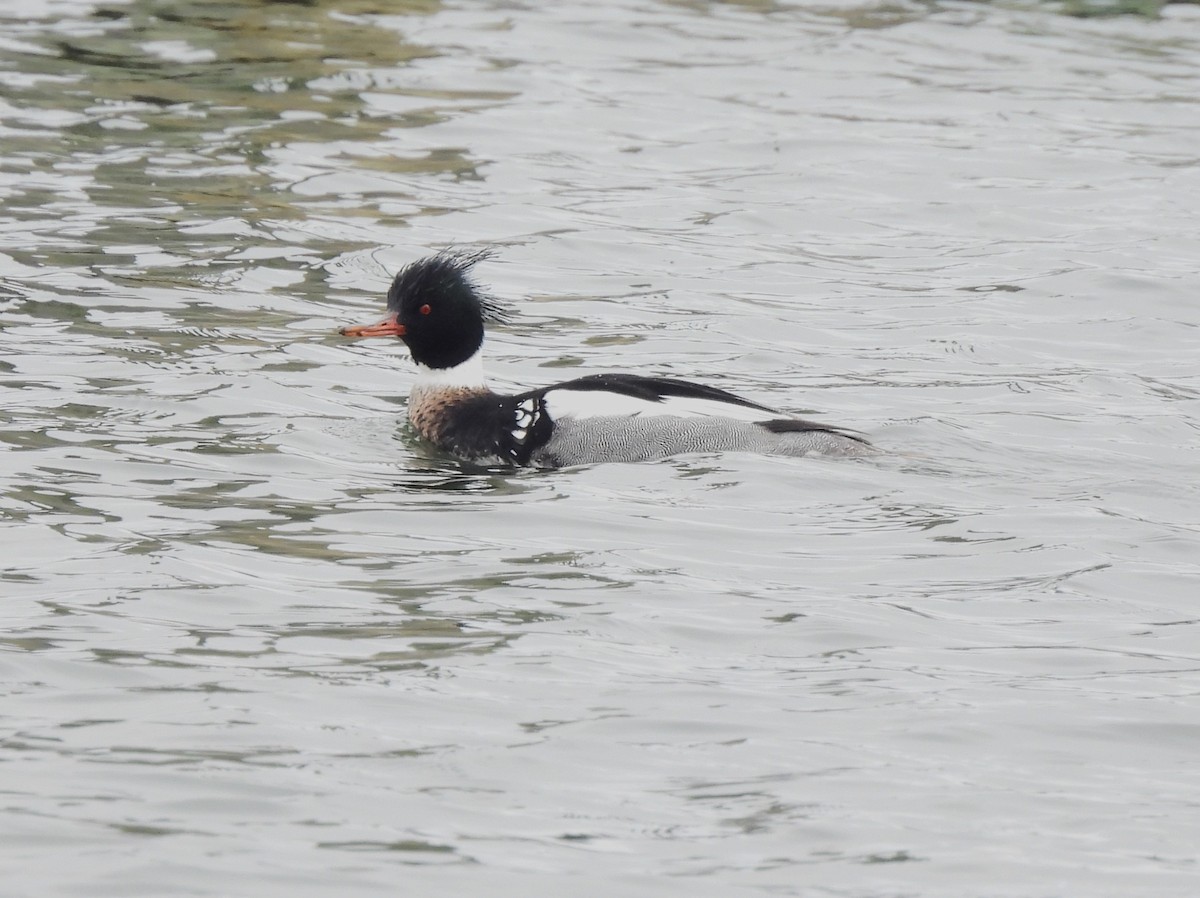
[[526, 426], [525, 416]]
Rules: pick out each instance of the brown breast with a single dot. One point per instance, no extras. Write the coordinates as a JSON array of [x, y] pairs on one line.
[[429, 407]]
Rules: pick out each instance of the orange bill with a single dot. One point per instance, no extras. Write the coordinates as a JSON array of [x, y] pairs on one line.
[[388, 327]]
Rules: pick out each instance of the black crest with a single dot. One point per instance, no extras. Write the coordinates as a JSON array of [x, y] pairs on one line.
[[447, 273]]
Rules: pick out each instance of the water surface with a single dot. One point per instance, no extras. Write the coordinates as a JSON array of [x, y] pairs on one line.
[[259, 640]]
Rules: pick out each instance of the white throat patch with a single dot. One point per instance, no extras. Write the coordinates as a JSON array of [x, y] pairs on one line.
[[464, 374]]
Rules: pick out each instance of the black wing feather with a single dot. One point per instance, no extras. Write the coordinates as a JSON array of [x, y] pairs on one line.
[[655, 389]]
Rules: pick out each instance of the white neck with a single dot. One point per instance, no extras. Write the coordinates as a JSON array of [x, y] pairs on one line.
[[464, 374]]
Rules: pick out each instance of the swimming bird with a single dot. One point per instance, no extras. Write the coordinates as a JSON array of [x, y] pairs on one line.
[[436, 308]]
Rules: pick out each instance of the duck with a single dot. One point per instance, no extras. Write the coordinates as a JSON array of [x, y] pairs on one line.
[[438, 310]]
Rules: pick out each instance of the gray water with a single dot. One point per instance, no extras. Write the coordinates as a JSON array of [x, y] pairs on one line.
[[258, 640]]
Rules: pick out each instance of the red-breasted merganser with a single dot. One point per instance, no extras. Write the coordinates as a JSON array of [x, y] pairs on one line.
[[437, 310]]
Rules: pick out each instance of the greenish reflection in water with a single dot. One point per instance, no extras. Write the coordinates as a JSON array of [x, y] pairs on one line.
[[157, 128]]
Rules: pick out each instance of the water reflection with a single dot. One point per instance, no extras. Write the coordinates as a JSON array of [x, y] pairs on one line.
[[174, 135], [247, 608]]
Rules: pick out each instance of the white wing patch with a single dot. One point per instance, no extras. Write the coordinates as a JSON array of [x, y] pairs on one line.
[[581, 404]]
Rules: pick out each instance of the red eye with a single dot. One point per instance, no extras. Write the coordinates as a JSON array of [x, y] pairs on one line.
[[425, 309]]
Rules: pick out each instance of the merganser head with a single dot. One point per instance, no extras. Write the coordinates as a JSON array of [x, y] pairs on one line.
[[436, 309]]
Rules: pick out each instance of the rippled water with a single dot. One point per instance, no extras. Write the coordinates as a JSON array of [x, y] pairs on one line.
[[259, 640]]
